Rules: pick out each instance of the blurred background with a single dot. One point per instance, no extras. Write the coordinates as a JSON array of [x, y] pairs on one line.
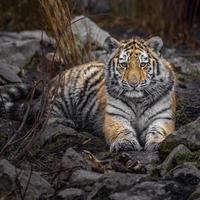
[[177, 21]]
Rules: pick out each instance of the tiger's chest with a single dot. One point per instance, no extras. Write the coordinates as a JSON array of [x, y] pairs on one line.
[[153, 111]]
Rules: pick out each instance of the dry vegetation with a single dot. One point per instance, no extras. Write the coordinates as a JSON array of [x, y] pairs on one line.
[[59, 18], [22, 140]]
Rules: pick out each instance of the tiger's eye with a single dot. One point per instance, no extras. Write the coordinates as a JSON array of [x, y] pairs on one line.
[[124, 65], [144, 66]]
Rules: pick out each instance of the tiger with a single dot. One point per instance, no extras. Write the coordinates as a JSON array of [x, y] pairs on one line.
[[130, 100]]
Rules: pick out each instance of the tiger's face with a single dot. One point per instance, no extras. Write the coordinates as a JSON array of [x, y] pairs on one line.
[[134, 66]]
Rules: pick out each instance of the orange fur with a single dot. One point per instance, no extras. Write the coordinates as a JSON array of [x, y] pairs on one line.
[[113, 129]]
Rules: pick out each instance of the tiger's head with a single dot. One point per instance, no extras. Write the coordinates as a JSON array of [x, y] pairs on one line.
[[136, 66]]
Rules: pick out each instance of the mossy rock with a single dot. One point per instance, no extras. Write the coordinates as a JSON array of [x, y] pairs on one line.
[[170, 161], [166, 148], [180, 115], [188, 157], [189, 135], [195, 195]]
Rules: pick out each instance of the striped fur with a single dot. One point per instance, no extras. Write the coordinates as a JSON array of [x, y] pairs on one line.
[[130, 100], [14, 100]]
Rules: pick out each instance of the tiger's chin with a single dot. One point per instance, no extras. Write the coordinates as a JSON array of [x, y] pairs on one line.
[[137, 92], [134, 93]]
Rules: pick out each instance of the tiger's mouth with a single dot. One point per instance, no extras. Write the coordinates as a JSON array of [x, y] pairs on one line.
[[136, 86]]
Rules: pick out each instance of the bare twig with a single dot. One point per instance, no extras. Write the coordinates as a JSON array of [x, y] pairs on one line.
[[28, 183]]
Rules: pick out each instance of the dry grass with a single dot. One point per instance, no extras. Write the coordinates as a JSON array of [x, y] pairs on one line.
[[59, 18]]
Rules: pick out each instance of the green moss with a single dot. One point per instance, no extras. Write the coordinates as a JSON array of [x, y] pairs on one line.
[[180, 77], [166, 148], [155, 172], [181, 117], [180, 114], [189, 157], [59, 142], [195, 195]]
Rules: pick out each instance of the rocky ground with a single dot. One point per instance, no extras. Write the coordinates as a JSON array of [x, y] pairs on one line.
[[75, 165]]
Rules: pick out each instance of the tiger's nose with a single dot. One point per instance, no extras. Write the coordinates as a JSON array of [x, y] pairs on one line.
[[133, 83]]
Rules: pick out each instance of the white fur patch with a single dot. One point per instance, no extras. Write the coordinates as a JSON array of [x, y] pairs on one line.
[[123, 57], [143, 57]]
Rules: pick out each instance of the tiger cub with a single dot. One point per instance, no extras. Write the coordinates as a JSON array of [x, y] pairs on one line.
[[131, 99]]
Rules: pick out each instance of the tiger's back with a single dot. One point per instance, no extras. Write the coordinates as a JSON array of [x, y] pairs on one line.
[[81, 97]]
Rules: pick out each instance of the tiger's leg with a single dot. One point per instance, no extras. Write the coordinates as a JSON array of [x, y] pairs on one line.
[[157, 132], [120, 135], [161, 127]]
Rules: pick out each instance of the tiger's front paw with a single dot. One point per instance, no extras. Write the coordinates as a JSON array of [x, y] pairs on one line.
[[151, 146], [125, 145], [153, 140]]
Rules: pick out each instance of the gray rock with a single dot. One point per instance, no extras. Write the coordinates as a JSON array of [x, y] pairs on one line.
[[71, 162], [185, 66], [103, 58], [28, 48], [196, 194], [186, 174], [82, 178], [82, 27], [168, 52], [139, 161], [101, 55], [11, 179], [195, 68], [19, 52], [15, 69], [145, 158], [189, 135], [9, 73], [154, 190], [37, 34], [113, 182], [2, 81], [72, 194], [144, 191], [54, 130], [17, 49], [7, 36], [74, 160], [24, 35], [168, 162]]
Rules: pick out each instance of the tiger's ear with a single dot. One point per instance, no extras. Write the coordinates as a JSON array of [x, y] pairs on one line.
[[111, 44], [155, 43]]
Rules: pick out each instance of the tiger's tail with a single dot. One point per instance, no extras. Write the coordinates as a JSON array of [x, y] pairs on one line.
[[14, 100]]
